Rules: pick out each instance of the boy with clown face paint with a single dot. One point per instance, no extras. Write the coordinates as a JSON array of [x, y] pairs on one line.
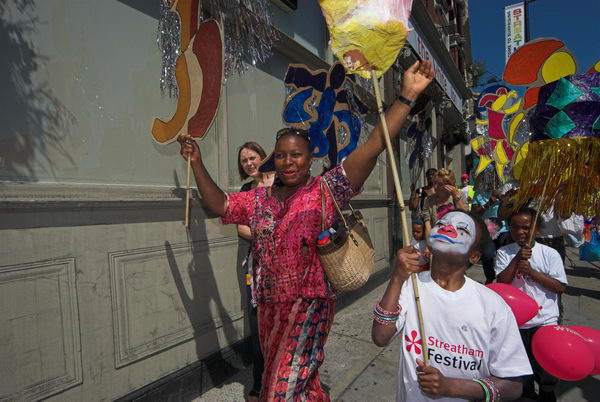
[[472, 340]]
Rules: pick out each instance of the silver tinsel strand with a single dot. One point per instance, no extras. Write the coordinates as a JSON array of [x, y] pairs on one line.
[[248, 31], [168, 40]]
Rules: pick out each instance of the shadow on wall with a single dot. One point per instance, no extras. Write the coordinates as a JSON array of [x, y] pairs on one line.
[[204, 292], [32, 119]]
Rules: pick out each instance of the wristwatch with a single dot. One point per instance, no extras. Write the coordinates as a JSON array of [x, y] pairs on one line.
[[407, 102]]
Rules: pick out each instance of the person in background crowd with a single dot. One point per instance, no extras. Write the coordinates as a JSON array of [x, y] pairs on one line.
[[466, 189], [486, 204], [419, 242], [417, 196], [539, 272], [418, 232], [250, 156], [446, 197], [473, 342], [296, 302], [549, 233]]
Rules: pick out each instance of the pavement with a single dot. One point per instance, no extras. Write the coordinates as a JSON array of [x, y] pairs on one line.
[[357, 370]]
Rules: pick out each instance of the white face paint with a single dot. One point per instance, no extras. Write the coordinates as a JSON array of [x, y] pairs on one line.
[[454, 233]]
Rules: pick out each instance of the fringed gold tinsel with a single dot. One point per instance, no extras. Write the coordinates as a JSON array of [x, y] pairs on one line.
[[563, 172]]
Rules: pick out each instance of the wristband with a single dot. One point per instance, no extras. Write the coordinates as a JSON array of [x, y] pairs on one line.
[[494, 391], [486, 391], [407, 102]]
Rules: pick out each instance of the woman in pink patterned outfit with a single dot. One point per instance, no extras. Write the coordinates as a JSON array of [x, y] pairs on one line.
[[295, 300]]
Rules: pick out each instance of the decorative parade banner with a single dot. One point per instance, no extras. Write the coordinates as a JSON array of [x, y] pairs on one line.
[[514, 22], [322, 103]]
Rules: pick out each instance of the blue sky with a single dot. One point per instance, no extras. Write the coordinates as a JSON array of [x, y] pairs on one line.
[[575, 22]]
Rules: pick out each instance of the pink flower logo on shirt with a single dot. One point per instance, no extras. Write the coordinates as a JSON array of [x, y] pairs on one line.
[[413, 342]]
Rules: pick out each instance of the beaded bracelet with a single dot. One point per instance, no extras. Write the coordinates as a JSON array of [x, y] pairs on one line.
[[486, 391], [494, 391], [385, 322], [381, 310], [385, 317]]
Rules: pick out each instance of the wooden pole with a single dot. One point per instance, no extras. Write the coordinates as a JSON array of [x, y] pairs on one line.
[[188, 193], [405, 231]]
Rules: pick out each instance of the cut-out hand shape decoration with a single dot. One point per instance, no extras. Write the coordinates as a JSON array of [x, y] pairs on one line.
[[199, 75]]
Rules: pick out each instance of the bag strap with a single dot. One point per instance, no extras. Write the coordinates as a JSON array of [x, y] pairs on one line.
[[322, 206], [337, 207]]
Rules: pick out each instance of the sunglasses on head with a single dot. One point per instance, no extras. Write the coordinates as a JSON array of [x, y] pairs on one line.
[[289, 130]]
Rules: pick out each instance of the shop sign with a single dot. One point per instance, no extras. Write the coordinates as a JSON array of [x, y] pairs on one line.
[[514, 22], [424, 52]]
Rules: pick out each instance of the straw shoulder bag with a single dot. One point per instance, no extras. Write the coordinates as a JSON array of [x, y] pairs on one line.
[[349, 258]]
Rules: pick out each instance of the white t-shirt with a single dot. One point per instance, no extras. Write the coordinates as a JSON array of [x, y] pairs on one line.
[[546, 260], [471, 333]]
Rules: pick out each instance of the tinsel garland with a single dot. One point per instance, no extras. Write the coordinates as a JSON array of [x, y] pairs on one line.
[[566, 172], [249, 33], [168, 41]]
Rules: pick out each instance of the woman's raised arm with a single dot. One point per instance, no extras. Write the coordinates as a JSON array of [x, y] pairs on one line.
[[212, 195], [360, 163]]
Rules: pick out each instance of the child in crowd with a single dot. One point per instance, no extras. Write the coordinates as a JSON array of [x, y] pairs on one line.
[[472, 340], [418, 232], [539, 272], [419, 243]]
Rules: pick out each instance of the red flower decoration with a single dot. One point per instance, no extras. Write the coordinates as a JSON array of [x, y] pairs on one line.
[[300, 318], [281, 387], [284, 371], [296, 330], [287, 358], [320, 355], [413, 342], [303, 373]]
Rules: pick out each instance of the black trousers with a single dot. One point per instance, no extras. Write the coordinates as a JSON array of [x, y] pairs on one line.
[[488, 257], [546, 382], [257, 357]]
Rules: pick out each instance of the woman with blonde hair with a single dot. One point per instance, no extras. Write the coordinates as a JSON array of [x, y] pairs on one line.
[[249, 158], [445, 198]]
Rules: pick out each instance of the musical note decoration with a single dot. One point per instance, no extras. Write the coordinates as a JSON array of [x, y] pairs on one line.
[[198, 73]]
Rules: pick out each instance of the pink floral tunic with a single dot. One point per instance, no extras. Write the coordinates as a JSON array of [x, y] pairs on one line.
[[284, 235]]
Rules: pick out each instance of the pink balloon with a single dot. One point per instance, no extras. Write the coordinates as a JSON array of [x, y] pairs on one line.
[[522, 305], [592, 337], [562, 352]]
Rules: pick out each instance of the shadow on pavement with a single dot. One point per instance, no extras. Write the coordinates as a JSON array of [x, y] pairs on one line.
[[574, 291], [589, 389]]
